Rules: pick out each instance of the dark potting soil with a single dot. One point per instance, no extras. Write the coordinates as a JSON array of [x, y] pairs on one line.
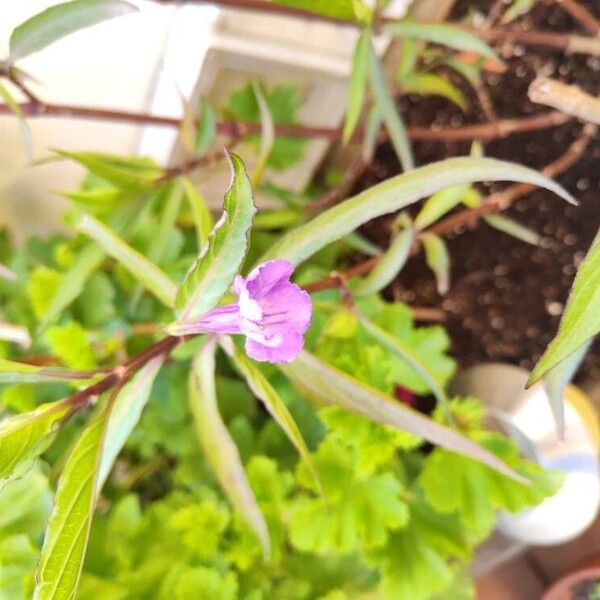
[[506, 296]]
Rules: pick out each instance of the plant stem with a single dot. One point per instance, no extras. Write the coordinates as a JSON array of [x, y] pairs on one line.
[[581, 14], [486, 131]]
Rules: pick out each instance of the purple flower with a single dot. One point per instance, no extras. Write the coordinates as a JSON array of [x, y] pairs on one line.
[[272, 312]]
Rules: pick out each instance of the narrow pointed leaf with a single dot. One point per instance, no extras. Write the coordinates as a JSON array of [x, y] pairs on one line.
[[168, 218], [438, 260], [390, 115], [439, 204], [23, 126], [512, 228], [24, 437], [221, 259], [72, 283], [207, 127], [330, 386], [373, 125], [556, 381], [267, 394], [358, 83], [431, 84], [390, 264], [203, 219], [68, 529], [445, 35], [125, 413], [267, 135], [393, 195], [146, 272], [406, 353], [581, 319], [12, 372], [58, 21], [219, 449], [136, 175]]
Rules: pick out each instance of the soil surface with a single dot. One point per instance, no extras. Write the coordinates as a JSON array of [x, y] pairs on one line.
[[506, 296]]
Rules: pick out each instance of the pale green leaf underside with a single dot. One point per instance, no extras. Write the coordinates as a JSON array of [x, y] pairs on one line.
[[390, 264], [330, 386], [267, 135], [439, 204], [58, 21], [397, 193], [221, 259], [125, 413], [556, 381], [68, 529], [406, 354], [267, 394], [446, 35], [358, 83], [12, 372], [219, 449], [438, 260], [146, 272], [513, 228], [581, 319], [389, 112]]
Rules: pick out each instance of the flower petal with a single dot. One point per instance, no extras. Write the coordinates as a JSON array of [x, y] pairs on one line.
[[286, 307], [286, 352], [266, 276]]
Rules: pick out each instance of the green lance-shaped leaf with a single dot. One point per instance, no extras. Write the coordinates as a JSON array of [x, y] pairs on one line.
[[358, 83], [87, 262], [397, 193], [359, 242], [68, 529], [72, 283], [352, 10], [203, 219], [168, 218], [146, 272], [516, 9], [431, 84], [219, 449], [372, 127], [439, 204], [389, 113], [581, 319], [58, 21], [267, 135], [327, 385], [512, 228], [556, 381], [445, 35], [221, 259], [131, 174], [24, 437], [206, 131], [12, 372], [18, 112], [438, 260], [125, 412], [390, 264], [406, 353], [267, 394]]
